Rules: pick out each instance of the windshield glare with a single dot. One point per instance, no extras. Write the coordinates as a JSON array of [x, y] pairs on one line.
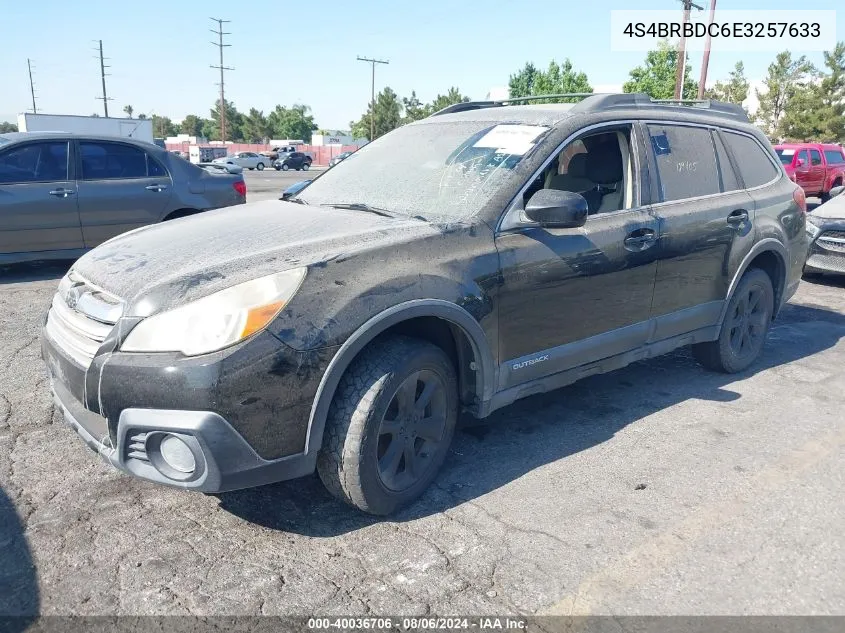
[[785, 155], [436, 170]]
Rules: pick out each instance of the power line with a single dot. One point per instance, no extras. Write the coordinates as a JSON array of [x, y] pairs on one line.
[[31, 85], [680, 70], [105, 98], [219, 44], [373, 92]]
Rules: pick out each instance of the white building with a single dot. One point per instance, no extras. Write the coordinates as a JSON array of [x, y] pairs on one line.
[[322, 140]]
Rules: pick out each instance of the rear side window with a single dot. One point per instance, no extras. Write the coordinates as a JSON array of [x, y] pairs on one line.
[[109, 161], [155, 169], [34, 162], [755, 165], [834, 157], [815, 157], [686, 161]]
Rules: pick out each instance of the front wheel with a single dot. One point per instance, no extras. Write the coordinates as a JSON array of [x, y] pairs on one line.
[[277, 167], [744, 330], [260, 166], [389, 425]]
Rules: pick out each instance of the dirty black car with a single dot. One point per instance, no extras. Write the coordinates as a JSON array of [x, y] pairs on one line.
[[484, 254]]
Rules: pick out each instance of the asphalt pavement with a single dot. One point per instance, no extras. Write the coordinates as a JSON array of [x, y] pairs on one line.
[[269, 183], [658, 489]]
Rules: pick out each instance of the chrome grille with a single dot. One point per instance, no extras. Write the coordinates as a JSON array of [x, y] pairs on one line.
[[832, 241], [81, 317]]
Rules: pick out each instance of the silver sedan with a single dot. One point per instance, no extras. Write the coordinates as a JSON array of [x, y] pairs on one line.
[[246, 160]]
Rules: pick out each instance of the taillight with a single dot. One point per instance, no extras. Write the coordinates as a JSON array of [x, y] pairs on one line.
[[240, 187], [800, 199]]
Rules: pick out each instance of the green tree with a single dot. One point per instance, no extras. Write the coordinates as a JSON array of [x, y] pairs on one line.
[[786, 78], [94, 114], [191, 125], [557, 79], [142, 116], [233, 123], [816, 109], [295, 122], [163, 126], [388, 116], [255, 128], [656, 77], [414, 108], [441, 101], [128, 109], [5, 126], [734, 90]]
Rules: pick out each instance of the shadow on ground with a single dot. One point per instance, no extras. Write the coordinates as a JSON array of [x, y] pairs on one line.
[[19, 597], [490, 453], [34, 271]]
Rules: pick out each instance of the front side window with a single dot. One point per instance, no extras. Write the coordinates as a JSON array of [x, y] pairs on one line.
[[834, 157], [815, 157], [111, 161], [438, 170], [803, 159], [686, 161], [753, 161], [35, 162]]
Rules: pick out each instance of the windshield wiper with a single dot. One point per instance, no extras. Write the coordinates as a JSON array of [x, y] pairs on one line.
[[360, 206]]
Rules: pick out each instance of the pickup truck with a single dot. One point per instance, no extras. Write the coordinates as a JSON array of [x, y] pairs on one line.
[[815, 167], [282, 151]]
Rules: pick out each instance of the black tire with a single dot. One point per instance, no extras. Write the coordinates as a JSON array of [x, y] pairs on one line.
[[360, 461], [744, 330], [277, 167], [260, 166]]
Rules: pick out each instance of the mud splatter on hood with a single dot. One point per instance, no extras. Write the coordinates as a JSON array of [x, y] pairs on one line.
[[170, 264]]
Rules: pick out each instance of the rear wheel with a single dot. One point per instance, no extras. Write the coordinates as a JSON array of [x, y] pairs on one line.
[[745, 327], [285, 167], [305, 166], [390, 425], [260, 166]]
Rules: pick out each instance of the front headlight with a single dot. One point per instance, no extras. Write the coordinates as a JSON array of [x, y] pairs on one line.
[[812, 228], [218, 320]]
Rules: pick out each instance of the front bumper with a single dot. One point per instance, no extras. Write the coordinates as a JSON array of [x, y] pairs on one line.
[[827, 253]]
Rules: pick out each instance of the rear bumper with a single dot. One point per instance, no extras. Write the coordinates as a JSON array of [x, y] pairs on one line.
[[224, 461]]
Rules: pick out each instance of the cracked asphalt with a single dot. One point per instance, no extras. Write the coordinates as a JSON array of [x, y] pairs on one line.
[[657, 489]]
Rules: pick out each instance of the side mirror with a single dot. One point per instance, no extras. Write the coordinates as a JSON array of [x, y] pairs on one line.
[[294, 189], [835, 191], [799, 162], [557, 209]]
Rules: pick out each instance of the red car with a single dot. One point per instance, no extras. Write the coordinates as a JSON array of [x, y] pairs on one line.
[[816, 167]]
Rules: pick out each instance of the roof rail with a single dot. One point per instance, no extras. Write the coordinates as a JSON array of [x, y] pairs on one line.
[[591, 102]]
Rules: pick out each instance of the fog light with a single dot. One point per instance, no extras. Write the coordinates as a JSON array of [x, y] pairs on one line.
[[177, 454]]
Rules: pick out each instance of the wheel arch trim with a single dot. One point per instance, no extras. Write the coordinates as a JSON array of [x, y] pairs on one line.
[[768, 244], [365, 334]]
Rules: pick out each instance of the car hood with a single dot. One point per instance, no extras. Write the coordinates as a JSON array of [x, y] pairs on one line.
[[833, 209], [162, 266]]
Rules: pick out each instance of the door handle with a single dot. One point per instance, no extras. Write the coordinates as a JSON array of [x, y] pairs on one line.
[[155, 187], [738, 218], [640, 239], [62, 193]]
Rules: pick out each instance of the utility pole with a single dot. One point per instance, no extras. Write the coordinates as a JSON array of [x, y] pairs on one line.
[[682, 49], [373, 92], [220, 45], [31, 85], [705, 61], [105, 98]]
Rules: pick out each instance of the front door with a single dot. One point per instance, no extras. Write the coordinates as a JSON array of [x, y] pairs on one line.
[[817, 171], [572, 296], [706, 221], [121, 187], [803, 174], [38, 199]]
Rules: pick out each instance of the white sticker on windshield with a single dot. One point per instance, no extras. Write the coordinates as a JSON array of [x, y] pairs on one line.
[[511, 139], [787, 152]]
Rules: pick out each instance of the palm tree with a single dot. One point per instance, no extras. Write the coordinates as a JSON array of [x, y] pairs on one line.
[[128, 109]]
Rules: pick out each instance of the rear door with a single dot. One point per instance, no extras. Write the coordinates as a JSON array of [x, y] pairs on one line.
[[705, 226], [38, 201], [121, 187]]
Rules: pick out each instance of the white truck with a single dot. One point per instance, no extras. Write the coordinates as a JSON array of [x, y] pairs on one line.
[[141, 129]]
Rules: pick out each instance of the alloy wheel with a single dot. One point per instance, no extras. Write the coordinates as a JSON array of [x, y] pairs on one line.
[[748, 322]]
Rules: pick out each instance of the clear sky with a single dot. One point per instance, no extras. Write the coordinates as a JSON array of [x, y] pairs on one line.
[[304, 52]]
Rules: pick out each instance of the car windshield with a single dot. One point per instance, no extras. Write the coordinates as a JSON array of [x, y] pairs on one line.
[[785, 155], [434, 170]]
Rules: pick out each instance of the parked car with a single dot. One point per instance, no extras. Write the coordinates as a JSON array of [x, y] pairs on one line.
[[230, 168], [340, 157], [294, 189], [816, 167], [826, 230], [294, 160], [246, 160], [62, 194], [458, 263]]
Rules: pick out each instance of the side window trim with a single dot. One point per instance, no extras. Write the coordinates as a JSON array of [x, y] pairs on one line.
[[514, 207]]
